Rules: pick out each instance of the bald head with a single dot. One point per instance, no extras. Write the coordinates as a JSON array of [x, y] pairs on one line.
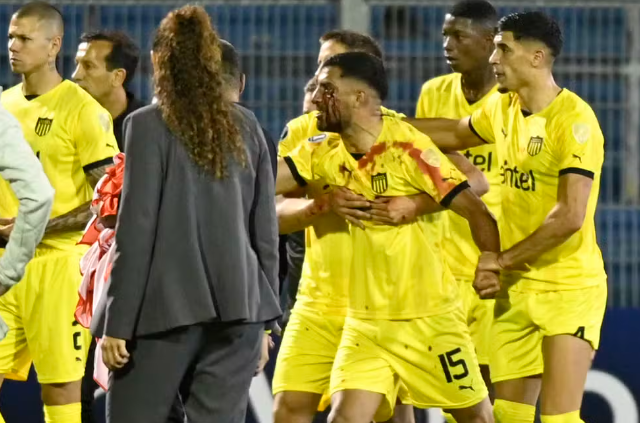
[[48, 16]]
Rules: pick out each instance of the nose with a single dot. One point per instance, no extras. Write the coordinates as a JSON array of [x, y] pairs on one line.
[[77, 74], [316, 98], [13, 45], [447, 44], [494, 59]]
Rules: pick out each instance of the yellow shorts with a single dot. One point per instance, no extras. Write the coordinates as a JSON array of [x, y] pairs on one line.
[[40, 314], [479, 317], [522, 319], [433, 357], [307, 352]]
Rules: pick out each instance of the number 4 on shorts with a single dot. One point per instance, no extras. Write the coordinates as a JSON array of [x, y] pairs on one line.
[[448, 362]]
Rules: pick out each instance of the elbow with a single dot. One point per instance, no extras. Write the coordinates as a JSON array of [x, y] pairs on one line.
[[479, 184], [573, 223]]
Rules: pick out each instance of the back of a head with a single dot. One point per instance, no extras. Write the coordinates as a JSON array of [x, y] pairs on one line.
[[188, 86], [363, 67], [230, 61], [353, 41], [534, 26], [480, 12], [125, 54], [45, 13]]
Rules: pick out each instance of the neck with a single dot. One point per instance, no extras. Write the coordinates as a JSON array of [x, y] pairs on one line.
[[232, 96], [41, 81], [538, 93], [478, 83], [363, 132], [115, 102]]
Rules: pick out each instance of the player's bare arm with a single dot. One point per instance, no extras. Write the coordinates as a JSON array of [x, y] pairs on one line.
[[77, 219], [484, 230], [565, 219], [343, 202], [447, 134]]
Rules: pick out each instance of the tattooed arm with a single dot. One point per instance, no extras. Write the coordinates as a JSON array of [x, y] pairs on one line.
[[77, 219]]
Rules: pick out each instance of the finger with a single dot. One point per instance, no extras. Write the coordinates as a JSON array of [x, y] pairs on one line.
[[380, 206], [357, 204], [382, 200], [355, 222], [382, 220], [7, 220], [355, 213], [347, 194], [122, 350]]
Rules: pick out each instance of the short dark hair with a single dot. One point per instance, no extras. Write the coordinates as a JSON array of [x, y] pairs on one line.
[[363, 67], [311, 86], [536, 26], [353, 41], [42, 11], [124, 54], [478, 11], [230, 62]]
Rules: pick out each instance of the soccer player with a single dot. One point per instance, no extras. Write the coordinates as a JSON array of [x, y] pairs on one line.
[[306, 356], [550, 150], [106, 63], [72, 135], [403, 319], [468, 32]]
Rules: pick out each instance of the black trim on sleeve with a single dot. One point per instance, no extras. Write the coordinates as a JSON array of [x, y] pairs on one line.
[[589, 174], [99, 163], [294, 171], [446, 201], [476, 133]]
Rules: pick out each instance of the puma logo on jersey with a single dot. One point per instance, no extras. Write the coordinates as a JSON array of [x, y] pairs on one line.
[[577, 157], [464, 387], [318, 138]]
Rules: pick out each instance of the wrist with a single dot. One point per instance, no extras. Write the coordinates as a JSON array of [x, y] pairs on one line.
[[503, 261]]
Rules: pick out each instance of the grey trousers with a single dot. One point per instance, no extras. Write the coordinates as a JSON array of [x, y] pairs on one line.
[[210, 365]]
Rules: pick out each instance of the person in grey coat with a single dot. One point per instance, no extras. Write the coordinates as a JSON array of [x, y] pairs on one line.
[[194, 286]]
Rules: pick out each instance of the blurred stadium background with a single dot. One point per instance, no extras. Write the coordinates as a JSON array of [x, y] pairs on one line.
[[278, 43]]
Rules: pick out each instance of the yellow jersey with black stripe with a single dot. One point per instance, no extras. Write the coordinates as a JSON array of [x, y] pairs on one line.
[[69, 132], [327, 261], [442, 97], [397, 272], [535, 150], [325, 272]]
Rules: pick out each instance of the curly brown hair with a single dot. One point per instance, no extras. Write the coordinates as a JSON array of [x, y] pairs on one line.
[[189, 89]]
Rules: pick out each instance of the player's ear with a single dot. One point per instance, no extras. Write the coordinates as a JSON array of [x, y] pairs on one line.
[[119, 75], [55, 46], [539, 57]]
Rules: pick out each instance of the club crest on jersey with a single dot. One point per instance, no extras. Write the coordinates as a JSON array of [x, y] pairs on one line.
[[318, 138], [379, 183], [535, 146], [43, 126]]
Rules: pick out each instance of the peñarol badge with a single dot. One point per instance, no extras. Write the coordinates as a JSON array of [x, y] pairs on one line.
[[379, 183], [43, 126], [535, 146]]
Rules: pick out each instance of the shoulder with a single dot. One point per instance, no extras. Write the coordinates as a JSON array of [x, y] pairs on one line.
[[440, 83], [574, 117], [397, 130]]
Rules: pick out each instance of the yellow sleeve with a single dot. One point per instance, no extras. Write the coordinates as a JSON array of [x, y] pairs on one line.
[[423, 102], [392, 113], [580, 146], [292, 136], [433, 172], [306, 162], [481, 122], [94, 137]]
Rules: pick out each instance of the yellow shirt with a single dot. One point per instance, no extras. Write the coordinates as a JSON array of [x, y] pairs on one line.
[[534, 151], [443, 97], [327, 260], [397, 272], [69, 132]]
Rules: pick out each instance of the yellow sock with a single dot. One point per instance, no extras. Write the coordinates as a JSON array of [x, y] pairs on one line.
[[513, 412], [573, 417], [70, 413], [448, 418]]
